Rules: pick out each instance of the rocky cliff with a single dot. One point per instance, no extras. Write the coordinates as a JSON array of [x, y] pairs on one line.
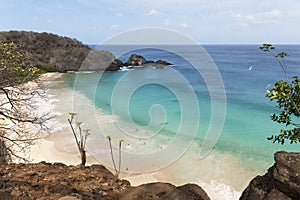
[[58, 181], [281, 182]]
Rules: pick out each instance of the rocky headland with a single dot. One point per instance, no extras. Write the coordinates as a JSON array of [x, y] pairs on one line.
[[53, 53]]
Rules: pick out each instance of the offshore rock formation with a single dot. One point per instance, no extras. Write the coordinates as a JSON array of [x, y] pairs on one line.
[[136, 61], [281, 182], [58, 181], [115, 65]]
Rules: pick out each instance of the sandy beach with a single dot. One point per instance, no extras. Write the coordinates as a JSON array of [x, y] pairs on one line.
[[59, 145]]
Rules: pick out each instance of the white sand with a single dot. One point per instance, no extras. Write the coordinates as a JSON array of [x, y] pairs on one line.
[[58, 146]]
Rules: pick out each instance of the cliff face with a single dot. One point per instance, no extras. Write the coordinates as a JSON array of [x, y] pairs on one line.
[[281, 182], [58, 181], [56, 53]]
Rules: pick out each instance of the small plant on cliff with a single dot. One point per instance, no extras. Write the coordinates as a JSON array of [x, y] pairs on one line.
[[112, 156], [286, 93], [79, 135]]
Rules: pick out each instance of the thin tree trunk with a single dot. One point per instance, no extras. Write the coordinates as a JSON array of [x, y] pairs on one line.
[[83, 157]]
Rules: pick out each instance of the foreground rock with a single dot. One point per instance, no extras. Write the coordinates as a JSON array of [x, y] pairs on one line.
[[164, 191], [52, 181], [58, 181], [281, 182]]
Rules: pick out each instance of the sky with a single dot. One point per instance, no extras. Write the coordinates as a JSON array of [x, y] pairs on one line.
[[205, 21]]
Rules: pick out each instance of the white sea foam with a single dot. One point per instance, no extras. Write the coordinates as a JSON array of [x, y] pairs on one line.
[[126, 68], [219, 190]]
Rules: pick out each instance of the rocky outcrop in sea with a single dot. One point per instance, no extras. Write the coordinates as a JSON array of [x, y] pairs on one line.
[[136, 61]]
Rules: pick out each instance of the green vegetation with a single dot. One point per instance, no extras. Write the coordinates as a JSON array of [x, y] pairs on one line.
[[286, 93], [20, 124], [48, 52], [14, 67], [112, 156], [79, 135]]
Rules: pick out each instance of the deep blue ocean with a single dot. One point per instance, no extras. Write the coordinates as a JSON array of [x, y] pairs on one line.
[[246, 72]]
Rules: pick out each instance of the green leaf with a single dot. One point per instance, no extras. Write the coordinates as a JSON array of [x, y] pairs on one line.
[[281, 54], [87, 132], [286, 94], [78, 124]]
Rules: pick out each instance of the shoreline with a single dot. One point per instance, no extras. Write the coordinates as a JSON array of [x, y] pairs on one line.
[[59, 146], [40, 151]]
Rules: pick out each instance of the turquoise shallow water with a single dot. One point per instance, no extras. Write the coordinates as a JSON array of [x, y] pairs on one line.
[[247, 123]]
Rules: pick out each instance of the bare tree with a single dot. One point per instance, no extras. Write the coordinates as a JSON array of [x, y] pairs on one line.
[[79, 135], [20, 123], [113, 158]]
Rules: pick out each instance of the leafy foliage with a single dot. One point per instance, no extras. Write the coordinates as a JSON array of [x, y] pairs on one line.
[[287, 96], [20, 124], [14, 69]]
